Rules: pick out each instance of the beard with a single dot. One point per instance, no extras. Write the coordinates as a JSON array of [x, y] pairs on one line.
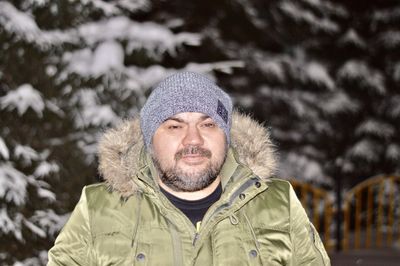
[[191, 180]]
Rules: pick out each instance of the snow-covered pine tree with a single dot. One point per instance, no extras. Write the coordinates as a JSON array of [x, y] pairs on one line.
[[323, 74]]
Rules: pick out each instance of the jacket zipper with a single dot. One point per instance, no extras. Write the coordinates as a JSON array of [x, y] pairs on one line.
[[224, 205]]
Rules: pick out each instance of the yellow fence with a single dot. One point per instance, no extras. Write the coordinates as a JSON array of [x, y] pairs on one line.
[[371, 213], [319, 206]]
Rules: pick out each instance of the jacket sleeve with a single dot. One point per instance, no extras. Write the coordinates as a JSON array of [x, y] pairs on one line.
[[73, 244], [308, 248]]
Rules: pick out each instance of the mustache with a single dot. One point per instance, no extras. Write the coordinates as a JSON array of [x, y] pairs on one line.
[[192, 150]]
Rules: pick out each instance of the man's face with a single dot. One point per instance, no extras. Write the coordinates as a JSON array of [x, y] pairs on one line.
[[188, 150]]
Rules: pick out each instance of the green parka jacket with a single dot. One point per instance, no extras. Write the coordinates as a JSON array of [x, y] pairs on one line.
[[127, 220]]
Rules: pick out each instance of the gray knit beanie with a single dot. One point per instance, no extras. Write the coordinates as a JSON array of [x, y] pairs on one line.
[[185, 92]]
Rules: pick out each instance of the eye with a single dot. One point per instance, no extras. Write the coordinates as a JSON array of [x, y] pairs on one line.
[[209, 124], [173, 127]]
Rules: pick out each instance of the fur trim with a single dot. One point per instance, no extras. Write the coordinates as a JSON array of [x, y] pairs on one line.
[[120, 147]]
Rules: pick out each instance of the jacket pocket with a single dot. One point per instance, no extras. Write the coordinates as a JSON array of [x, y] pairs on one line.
[[274, 245], [114, 247]]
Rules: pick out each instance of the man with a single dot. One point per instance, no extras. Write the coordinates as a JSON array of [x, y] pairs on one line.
[[188, 184]]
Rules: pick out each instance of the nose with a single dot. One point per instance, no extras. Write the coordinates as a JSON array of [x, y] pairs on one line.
[[193, 137]]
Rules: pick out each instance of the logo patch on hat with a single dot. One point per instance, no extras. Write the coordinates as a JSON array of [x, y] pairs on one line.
[[222, 112]]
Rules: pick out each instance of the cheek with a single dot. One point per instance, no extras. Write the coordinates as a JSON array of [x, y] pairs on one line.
[[164, 149], [217, 145]]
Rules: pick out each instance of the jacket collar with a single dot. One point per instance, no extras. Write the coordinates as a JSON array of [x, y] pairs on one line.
[[121, 158]]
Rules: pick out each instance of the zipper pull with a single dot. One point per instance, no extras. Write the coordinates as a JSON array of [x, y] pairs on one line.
[[196, 235], [198, 224]]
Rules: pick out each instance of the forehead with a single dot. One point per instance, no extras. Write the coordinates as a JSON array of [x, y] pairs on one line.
[[189, 117]]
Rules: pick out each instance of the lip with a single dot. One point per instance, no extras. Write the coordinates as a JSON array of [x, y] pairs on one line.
[[193, 159]]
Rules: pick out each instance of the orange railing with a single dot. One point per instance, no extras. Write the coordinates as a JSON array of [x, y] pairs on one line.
[[371, 212], [318, 204], [371, 209]]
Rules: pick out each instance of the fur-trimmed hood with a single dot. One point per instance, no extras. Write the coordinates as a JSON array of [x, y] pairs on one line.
[[119, 151]]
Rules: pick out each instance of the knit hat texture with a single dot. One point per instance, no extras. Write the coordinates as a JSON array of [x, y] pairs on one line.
[[185, 92]]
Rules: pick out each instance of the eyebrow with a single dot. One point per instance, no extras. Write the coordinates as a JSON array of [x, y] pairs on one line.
[[180, 120]]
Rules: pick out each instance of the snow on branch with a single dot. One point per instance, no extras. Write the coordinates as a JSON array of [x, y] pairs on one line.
[[117, 6], [134, 5], [396, 72], [393, 106], [22, 98], [9, 225], [105, 52], [50, 221], [376, 128], [145, 78], [34, 228], [4, 152], [338, 102], [223, 66], [26, 154], [318, 74], [393, 152], [107, 8], [360, 73], [91, 113], [19, 22], [387, 15], [45, 168], [150, 36], [13, 184], [351, 36], [329, 7], [272, 68], [106, 57], [364, 149], [147, 35], [302, 167], [390, 39], [301, 15], [24, 27]]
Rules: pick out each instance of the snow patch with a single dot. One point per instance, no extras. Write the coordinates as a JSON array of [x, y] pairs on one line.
[[390, 39], [13, 184], [396, 72], [339, 102], [302, 167], [302, 15], [46, 194], [107, 8], [393, 152], [319, 75], [107, 56], [26, 153], [35, 229], [272, 68], [352, 37], [22, 98], [364, 149], [4, 152], [376, 128], [360, 73], [8, 225], [16, 21], [49, 220], [148, 35], [45, 168]]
